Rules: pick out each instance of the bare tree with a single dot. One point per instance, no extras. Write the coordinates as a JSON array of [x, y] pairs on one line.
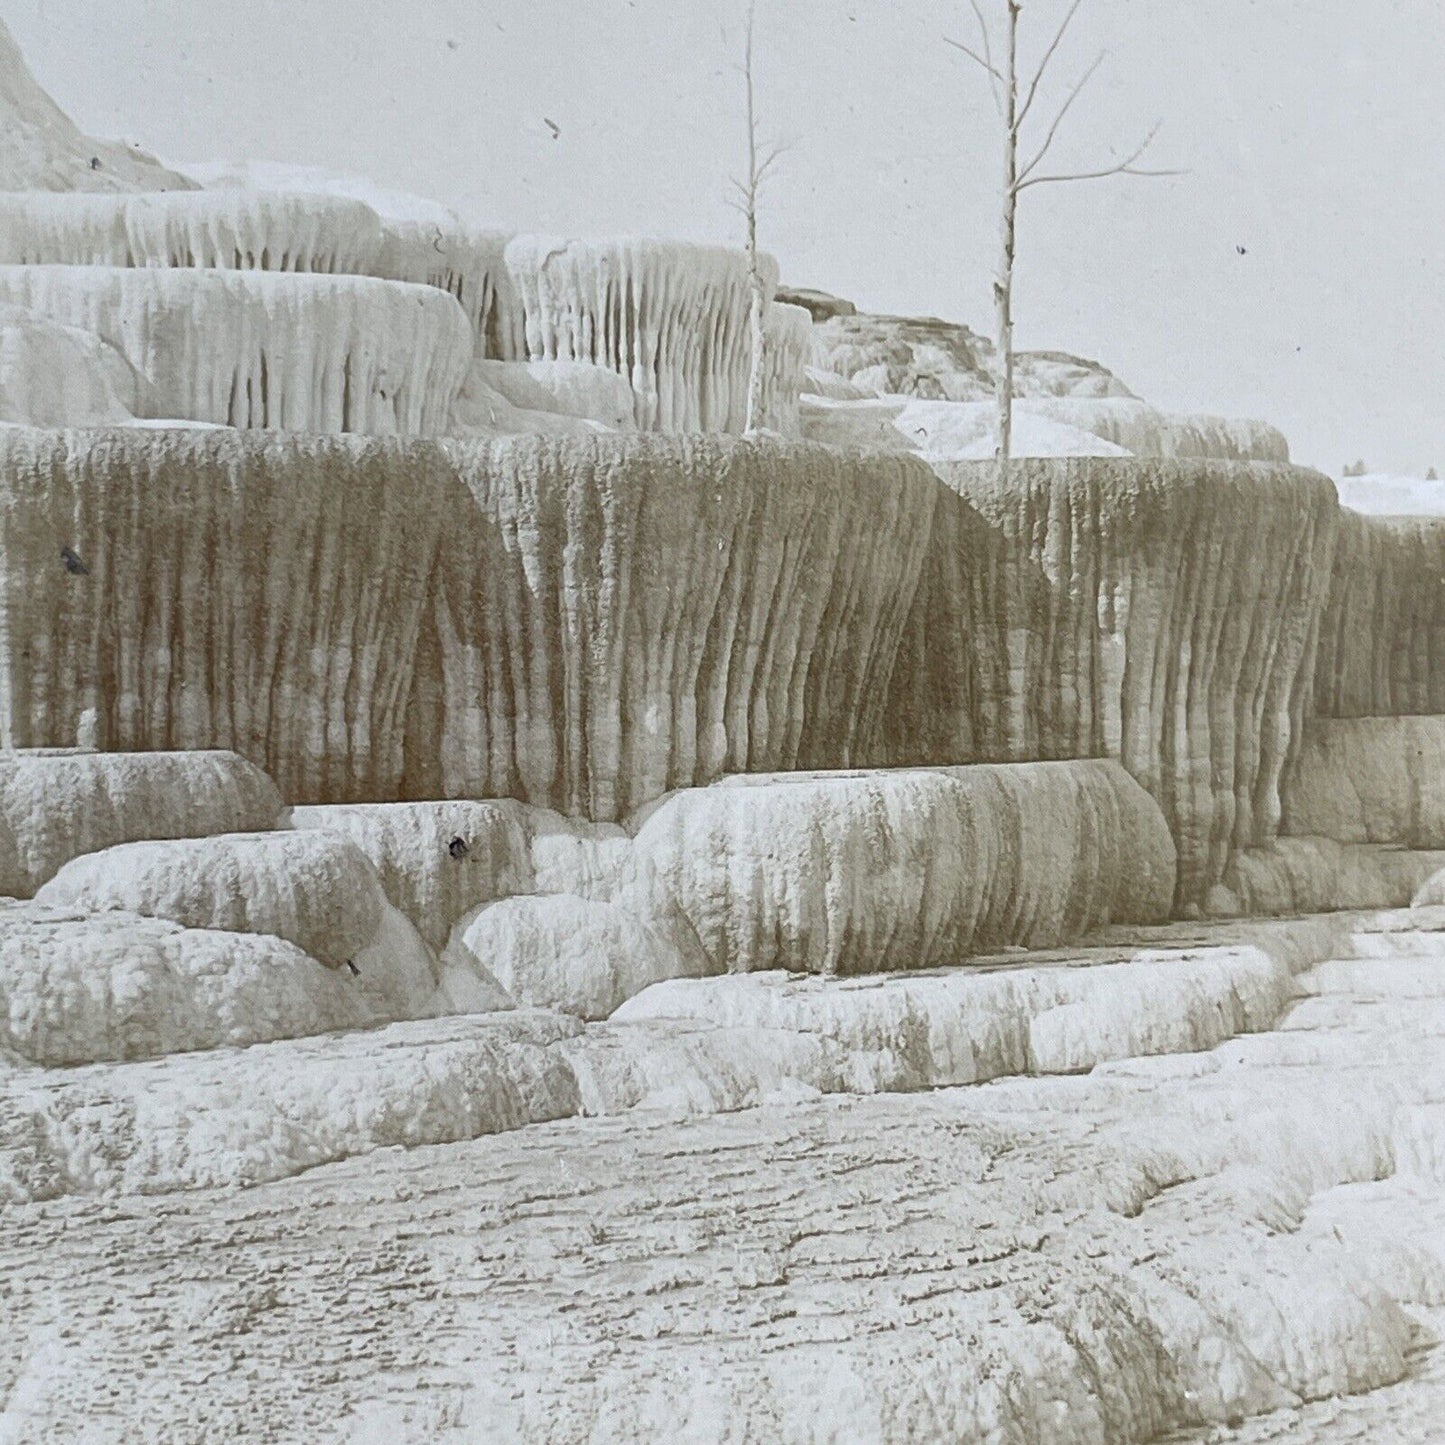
[[1020, 176], [760, 165]]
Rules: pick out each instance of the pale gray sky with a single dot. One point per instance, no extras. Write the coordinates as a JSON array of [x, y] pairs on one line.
[[1295, 273]]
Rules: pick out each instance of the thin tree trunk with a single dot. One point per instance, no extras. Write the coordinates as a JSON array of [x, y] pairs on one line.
[[1004, 282], [759, 338], [757, 299]]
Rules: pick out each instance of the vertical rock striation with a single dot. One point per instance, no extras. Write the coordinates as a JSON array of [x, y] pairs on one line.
[[866, 872], [257, 349], [1382, 642], [197, 589], [224, 230], [622, 616], [465, 261], [1163, 613], [788, 332], [670, 317]]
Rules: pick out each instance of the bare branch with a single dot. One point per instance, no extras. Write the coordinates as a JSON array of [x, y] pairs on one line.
[[1048, 56], [1073, 95], [993, 79], [774, 155], [1125, 167], [975, 56]]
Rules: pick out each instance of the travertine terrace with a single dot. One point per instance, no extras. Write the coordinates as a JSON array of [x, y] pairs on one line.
[[530, 914]]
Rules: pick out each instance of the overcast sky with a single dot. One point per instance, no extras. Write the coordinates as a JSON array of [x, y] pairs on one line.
[[1294, 273]]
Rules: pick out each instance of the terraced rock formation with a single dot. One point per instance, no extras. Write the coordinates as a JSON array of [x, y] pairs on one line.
[[1382, 639], [218, 589], [1160, 613], [616, 618], [303, 352], [1251, 1228]]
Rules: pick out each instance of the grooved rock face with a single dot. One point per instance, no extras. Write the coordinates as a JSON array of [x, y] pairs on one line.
[[580, 625], [1369, 780], [42, 149], [1382, 641], [463, 260], [1163, 613], [874, 871], [670, 317], [1317, 875], [248, 591], [300, 352], [56, 806], [620, 617], [311, 888], [787, 349], [76, 988], [224, 230]]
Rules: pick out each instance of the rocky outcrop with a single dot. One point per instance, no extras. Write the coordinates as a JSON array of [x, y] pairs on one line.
[[577, 955], [76, 988], [42, 149], [1160, 613], [193, 589], [820, 305], [870, 872], [624, 616], [1369, 780], [670, 318], [301, 352], [943, 360], [311, 888], [55, 806], [1382, 641]]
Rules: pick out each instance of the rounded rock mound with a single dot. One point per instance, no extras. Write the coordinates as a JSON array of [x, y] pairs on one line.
[[57, 805]]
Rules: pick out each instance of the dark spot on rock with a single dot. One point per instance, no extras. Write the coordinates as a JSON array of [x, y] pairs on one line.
[[458, 848], [73, 564], [355, 972], [95, 163]]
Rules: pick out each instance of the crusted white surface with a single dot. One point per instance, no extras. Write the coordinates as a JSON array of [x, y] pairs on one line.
[[302, 352], [1166, 1243]]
